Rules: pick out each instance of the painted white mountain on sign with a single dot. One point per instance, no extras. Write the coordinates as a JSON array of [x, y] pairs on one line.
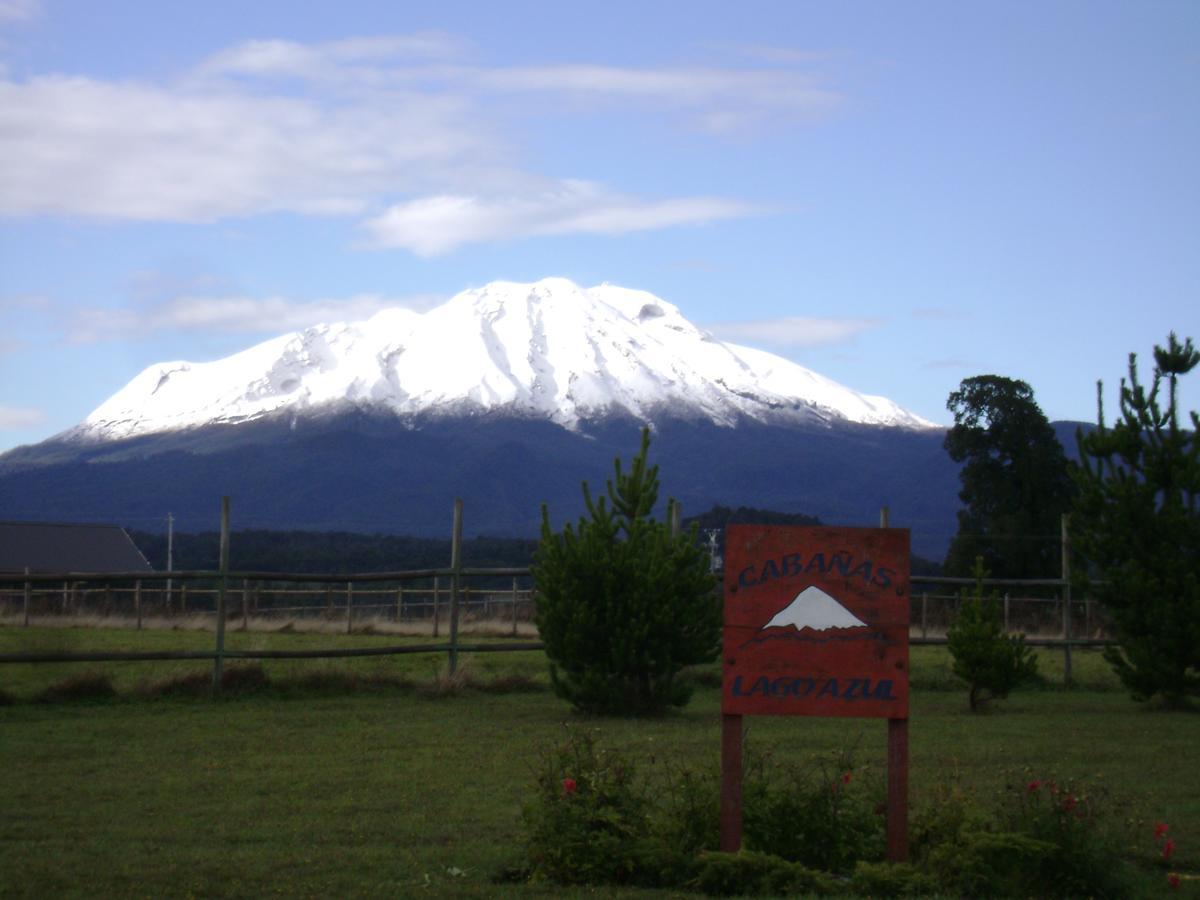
[[815, 609]]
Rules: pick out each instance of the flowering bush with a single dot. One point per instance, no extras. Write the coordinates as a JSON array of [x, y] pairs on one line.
[[818, 832], [587, 822], [826, 818]]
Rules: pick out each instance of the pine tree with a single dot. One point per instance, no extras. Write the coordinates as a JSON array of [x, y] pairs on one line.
[[989, 661], [1137, 526], [622, 604]]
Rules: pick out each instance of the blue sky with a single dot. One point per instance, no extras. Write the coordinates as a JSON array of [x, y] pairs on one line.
[[897, 196]]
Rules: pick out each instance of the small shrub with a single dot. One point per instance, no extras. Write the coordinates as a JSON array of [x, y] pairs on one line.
[[88, 686], [993, 864], [587, 823], [827, 820], [748, 873], [1043, 839], [890, 880], [989, 661]]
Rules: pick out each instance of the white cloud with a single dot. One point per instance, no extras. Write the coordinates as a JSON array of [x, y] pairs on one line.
[[718, 99], [432, 225], [19, 10], [352, 127], [77, 146], [794, 331], [16, 417], [273, 315]]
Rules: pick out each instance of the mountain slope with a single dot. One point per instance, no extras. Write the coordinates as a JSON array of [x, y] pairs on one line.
[[550, 350]]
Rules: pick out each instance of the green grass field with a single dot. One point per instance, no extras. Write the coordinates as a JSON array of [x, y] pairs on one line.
[[397, 791]]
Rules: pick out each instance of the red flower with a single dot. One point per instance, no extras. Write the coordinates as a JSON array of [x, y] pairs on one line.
[[1168, 849], [1173, 881], [1160, 830], [569, 785], [1068, 803], [1033, 786], [846, 778]]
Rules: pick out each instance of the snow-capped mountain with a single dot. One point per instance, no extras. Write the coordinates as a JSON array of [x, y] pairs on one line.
[[551, 350]]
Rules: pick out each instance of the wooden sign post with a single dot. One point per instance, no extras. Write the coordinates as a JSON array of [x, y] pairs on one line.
[[816, 624]]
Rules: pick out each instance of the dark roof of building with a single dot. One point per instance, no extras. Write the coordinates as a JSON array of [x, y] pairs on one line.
[[53, 547]]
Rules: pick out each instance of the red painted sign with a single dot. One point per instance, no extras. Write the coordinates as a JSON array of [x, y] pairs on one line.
[[816, 621]]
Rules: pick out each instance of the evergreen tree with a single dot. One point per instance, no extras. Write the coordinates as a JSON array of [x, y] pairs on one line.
[[1138, 527], [989, 661], [1015, 480], [622, 604]]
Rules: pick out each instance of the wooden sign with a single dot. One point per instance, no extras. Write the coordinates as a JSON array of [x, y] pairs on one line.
[[816, 624], [816, 621]]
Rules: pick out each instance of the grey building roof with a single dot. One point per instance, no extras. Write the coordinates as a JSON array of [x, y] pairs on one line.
[[53, 547]]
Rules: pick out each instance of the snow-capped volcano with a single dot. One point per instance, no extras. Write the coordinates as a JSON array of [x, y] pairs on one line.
[[550, 349]]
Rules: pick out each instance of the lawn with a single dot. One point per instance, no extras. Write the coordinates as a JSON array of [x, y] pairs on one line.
[[398, 791]]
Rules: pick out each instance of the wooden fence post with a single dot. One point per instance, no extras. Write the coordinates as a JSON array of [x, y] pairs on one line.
[[219, 659], [924, 614], [436, 605], [514, 606], [1006, 612], [1066, 576], [349, 606], [676, 515], [455, 581], [245, 604], [400, 604], [28, 597], [137, 602], [182, 599]]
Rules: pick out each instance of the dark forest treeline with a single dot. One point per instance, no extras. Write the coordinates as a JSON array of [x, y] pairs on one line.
[[328, 552], [333, 552]]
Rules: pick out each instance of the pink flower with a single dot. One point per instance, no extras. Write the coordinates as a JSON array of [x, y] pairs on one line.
[[1033, 786], [1168, 848], [1173, 881], [1160, 830], [569, 785]]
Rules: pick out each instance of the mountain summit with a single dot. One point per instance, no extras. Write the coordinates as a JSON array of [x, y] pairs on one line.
[[549, 350]]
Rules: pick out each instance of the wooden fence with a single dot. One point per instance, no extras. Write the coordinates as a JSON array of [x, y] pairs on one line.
[[432, 593]]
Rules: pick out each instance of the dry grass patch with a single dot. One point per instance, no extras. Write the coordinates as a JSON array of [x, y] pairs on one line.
[[85, 686]]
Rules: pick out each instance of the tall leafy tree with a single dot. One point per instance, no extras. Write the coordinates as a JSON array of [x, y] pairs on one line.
[[1015, 480], [1137, 526], [622, 604]]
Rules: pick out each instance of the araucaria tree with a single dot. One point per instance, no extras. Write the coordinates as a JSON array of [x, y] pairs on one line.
[[622, 604], [1137, 528], [1015, 481]]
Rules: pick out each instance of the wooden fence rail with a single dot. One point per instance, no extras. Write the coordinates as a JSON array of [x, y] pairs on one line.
[[447, 582]]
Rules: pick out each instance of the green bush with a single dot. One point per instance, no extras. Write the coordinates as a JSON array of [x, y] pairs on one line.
[[828, 819], [622, 604], [989, 661], [890, 880], [587, 823], [1043, 839], [593, 821], [749, 873]]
